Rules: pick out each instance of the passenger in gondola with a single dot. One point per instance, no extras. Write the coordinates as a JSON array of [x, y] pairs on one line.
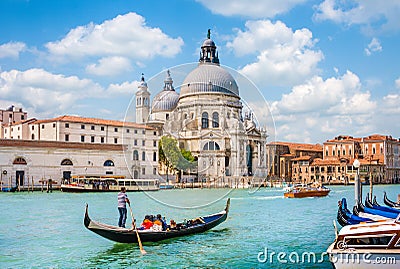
[[160, 221], [147, 223], [172, 225]]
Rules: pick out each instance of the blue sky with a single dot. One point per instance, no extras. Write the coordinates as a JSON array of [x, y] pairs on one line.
[[325, 67]]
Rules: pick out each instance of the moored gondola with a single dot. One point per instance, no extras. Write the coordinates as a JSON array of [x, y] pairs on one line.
[[125, 235], [362, 208], [369, 204], [345, 217], [389, 202]]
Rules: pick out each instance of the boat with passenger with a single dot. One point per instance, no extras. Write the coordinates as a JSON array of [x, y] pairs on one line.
[[367, 245], [306, 190], [108, 183], [133, 235]]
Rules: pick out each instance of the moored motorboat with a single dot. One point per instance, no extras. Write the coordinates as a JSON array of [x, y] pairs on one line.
[[306, 191], [367, 245], [126, 235]]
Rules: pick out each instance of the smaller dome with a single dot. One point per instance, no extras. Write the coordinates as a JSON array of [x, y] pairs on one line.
[[165, 101]]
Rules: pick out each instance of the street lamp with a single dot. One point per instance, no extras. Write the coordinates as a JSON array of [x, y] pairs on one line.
[[357, 185]]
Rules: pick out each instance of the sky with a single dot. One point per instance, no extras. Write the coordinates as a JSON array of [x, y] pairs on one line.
[[323, 67]]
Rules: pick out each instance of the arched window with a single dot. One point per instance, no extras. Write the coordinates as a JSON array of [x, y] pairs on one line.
[[66, 162], [204, 120], [143, 156], [33, 136], [135, 155], [108, 163], [135, 174], [211, 145], [215, 120], [19, 160]]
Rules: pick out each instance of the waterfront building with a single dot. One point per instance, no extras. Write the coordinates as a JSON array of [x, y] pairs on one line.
[[285, 159]]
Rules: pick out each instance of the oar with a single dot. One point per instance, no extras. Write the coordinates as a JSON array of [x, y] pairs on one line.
[[137, 234]]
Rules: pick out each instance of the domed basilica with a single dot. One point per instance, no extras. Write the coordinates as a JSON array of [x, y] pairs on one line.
[[206, 117]]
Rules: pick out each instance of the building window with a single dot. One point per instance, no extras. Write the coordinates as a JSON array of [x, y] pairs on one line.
[[154, 143], [66, 162], [82, 138], [108, 163], [116, 130], [373, 151], [167, 116], [204, 120], [143, 171], [154, 171], [326, 153], [82, 126], [215, 120], [154, 156], [127, 130], [67, 137], [66, 125], [33, 127], [143, 156], [102, 128], [33, 136], [92, 139], [92, 127], [135, 131], [143, 131], [135, 142], [22, 117], [19, 160], [154, 133], [54, 125], [42, 126], [143, 143], [102, 139], [115, 140], [135, 155], [211, 145]]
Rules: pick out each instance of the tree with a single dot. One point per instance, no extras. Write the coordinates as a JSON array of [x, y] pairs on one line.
[[173, 158]]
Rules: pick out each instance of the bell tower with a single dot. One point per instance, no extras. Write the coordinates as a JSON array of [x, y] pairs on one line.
[[142, 102]]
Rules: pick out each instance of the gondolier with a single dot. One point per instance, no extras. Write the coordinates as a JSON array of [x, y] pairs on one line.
[[122, 201]]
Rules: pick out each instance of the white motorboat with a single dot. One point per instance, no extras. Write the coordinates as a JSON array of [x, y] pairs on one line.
[[367, 245]]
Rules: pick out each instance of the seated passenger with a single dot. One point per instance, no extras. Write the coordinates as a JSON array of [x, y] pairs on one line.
[[147, 223], [172, 225]]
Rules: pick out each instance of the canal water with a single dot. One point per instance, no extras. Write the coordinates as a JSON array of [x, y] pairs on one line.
[[45, 230]]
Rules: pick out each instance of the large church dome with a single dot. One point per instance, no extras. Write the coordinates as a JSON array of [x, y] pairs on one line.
[[209, 76], [167, 99]]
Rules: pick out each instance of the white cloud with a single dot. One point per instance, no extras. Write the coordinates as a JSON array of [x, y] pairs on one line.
[[45, 92], [110, 66], [12, 49], [250, 8], [125, 88], [324, 108], [372, 16], [125, 35], [373, 46], [397, 82], [284, 57]]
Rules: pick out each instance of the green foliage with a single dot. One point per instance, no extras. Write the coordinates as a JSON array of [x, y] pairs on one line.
[[172, 157]]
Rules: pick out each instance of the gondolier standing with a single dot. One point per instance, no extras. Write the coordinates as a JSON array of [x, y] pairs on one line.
[[122, 200]]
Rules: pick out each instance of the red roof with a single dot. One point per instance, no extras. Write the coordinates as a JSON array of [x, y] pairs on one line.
[[77, 119]]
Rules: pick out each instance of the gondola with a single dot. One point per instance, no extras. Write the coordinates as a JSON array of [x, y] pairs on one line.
[[362, 208], [369, 204], [345, 217], [389, 202], [125, 235]]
